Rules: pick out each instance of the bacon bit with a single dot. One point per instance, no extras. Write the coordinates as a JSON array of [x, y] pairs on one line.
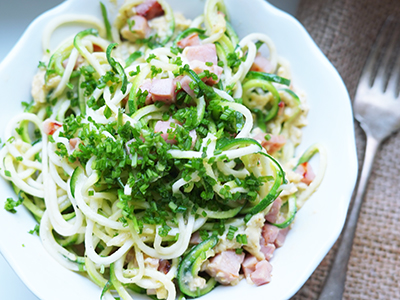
[[50, 126], [124, 101], [164, 266], [191, 40], [306, 171], [281, 105], [97, 48], [149, 9]]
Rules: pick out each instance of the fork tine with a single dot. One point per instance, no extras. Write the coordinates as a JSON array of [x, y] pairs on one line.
[[368, 71], [393, 84], [383, 71]]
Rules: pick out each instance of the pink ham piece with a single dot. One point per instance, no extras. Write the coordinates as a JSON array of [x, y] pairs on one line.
[[225, 266], [185, 84], [261, 64], [149, 9], [267, 248], [306, 171], [262, 273], [273, 144], [50, 126], [198, 56], [280, 239], [74, 143], [259, 272], [269, 233], [273, 213], [163, 90], [249, 265], [191, 40], [204, 53], [195, 238], [139, 29], [146, 86], [199, 67], [164, 127]]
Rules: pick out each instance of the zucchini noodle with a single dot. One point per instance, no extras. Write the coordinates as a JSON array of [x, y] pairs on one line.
[[151, 160]]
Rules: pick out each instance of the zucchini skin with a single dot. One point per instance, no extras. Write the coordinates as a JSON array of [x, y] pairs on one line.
[[187, 268]]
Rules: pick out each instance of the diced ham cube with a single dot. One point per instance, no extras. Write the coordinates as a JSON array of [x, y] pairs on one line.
[[164, 126], [280, 239], [249, 265], [225, 266], [195, 238], [267, 248], [273, 144], [261, 64], [137, 29], [191, 40], [146, 86], [149, 9], [163, 90], [185, 84], [199, 67], [50, 126], [262, 273], [269, 233], [273, 214], [306, 171], [204, 53]]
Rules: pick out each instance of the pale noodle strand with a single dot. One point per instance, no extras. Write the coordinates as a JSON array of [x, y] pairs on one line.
[[62, 256], [65, 19]]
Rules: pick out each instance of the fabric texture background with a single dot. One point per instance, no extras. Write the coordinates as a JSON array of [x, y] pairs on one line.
[[345, 30]]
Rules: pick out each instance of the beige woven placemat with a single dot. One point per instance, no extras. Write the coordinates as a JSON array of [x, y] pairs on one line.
[[345, 31]]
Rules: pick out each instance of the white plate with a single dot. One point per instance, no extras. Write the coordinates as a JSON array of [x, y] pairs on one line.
[[318, 223]]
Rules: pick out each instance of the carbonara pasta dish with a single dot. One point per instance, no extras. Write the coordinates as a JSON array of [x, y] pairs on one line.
[[158, 152]]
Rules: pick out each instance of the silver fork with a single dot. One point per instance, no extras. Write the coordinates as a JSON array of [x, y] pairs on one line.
[[377, 108]]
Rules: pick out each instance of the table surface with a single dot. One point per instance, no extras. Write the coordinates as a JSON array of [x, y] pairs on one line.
[[13, 22]]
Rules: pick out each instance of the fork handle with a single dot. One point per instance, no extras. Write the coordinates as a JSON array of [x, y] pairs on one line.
[[334, 284]]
